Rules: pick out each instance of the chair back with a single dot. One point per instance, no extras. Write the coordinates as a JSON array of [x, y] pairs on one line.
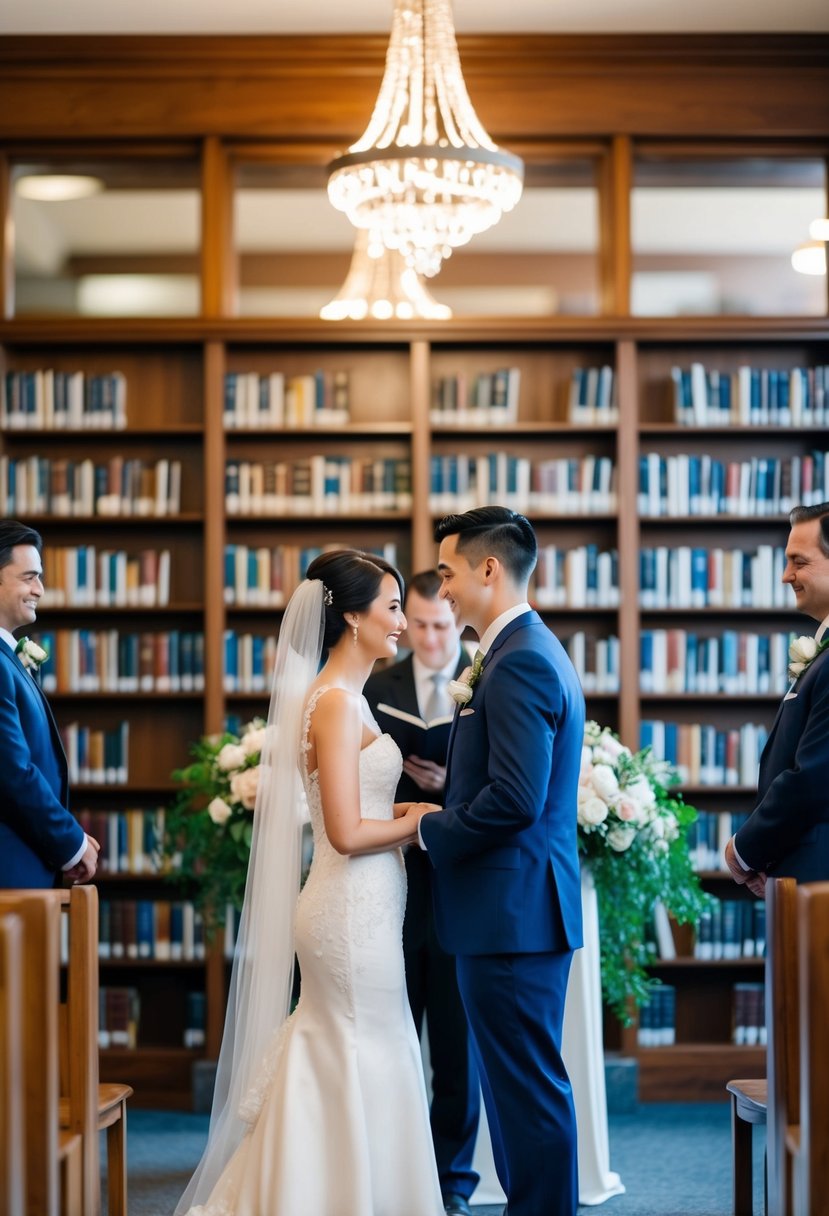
[[783, 1072], [41, 932], [79, 1037], [12, 1174], [811, 1170]]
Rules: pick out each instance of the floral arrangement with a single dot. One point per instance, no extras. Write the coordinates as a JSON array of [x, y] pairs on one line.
[[208, 828], [802, 653], [30, 654], [632, 834], [461, 690]]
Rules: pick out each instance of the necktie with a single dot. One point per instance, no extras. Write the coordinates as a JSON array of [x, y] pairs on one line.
[[437, 704]]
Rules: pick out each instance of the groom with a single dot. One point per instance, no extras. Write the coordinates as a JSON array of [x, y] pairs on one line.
[[39, 838], [507, 893]]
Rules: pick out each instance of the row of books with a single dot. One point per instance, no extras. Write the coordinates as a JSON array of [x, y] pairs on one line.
[[672, 486], [593, 396], [751, 396], [48, 400], [749, 1015], [680, 576], [108, 660], [674, 661], [85, 576], [36, 485], [491, 399], [130, 840], [95, 756], [580, 577], [248, 661], [584, 485], [708, 835], [731, 928], [161, 929], [703, 755], [270, 402], [267, 575], [317, 485], [119, 1013], [657, 1018], [596, 661]]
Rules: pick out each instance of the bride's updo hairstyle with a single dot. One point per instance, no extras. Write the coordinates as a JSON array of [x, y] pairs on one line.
[[352, 582]]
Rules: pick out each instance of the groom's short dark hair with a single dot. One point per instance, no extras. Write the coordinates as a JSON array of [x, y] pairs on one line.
[[497, 532], [819, 511], [13, 533]]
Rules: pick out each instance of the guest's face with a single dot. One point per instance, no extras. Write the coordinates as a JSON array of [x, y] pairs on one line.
[[463, 586], [379, 628], [21, 587], [807, 569], [431, 630]]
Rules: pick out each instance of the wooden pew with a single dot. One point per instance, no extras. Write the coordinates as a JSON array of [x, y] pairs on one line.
[[12, 1173], [809, 1142], [772, 1101]]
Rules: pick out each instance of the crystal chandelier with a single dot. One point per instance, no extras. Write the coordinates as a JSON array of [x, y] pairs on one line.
[[381, 285], [425, 176]]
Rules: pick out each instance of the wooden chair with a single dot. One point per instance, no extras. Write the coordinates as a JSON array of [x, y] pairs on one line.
[[87, 1106], [808, 1141], [772, 1101], [12, 1175], [52, 1156]]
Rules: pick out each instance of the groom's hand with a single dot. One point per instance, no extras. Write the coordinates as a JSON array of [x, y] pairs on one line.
[[425, 773]]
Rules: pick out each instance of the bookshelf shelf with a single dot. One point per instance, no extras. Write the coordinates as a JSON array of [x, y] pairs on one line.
[[151, 964]]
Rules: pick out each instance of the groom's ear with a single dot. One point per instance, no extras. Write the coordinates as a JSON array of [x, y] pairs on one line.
[[491, 568]]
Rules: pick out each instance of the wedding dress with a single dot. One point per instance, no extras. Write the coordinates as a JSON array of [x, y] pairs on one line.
[[339, 1116]]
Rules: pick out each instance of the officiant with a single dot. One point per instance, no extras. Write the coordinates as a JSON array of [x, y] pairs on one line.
[[411, 703]]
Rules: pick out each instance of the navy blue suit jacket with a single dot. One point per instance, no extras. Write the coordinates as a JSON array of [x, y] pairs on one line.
[[504, 847], [787, 833], [38, 835]]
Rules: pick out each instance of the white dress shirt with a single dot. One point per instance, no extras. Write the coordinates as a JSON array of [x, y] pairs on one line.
[[424, 682]]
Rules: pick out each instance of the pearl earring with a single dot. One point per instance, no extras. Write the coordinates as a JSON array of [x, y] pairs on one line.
[[355, 634]]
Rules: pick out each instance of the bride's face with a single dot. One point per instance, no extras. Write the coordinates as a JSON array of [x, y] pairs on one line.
[[380, 627]]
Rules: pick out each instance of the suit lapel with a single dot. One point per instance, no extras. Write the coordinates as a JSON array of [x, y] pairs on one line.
[[461, 667], [35, 691]]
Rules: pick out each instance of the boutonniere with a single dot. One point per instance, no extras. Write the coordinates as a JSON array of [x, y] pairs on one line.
[[31, 655], [802, 653], [460, 690]]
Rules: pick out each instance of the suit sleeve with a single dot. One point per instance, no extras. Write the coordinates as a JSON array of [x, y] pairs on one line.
[[27, 802], [798, 797], [524, 700]]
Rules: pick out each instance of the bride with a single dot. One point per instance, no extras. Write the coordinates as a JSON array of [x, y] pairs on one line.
[[324, 1113]]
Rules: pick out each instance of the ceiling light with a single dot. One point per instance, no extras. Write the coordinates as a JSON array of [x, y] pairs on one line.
[[380, 285], [425, 176], [57, 187], [810, 258]]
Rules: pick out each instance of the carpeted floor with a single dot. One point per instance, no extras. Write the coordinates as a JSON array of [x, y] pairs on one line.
[[675, 1160]]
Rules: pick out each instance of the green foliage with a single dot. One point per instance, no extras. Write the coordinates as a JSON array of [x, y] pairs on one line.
[[633, 835]]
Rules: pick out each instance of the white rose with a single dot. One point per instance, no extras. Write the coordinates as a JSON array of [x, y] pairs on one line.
[[802, 650], [586, 761], [592, 811], [614, 748], [253, 741], [603, 780], [243, 787], [219, 811], [460, 690], [796, 669], [640, 791], [621, 837], [629, 811], [231, 756]]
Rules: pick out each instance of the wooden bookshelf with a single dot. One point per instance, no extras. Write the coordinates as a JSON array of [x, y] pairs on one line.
[[291, 101]]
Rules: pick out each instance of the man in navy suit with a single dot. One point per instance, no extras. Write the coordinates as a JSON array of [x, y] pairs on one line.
[[507, 888], [38, 837], [787, 833], [405, 698]]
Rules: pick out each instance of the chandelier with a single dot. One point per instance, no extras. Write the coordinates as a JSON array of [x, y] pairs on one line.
[[425, 176], [380, 284]]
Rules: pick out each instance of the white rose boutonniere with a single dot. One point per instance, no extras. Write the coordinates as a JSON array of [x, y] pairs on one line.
[[460, 690], [803, 652], [30, 654]]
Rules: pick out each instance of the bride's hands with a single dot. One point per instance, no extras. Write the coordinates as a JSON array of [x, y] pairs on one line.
[[416, 811]]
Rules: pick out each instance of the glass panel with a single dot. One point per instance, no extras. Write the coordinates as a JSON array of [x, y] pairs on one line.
[[717, 236], [127, 247], [294, 250]]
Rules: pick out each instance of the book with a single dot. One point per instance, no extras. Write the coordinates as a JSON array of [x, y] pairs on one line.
[[414, 737]]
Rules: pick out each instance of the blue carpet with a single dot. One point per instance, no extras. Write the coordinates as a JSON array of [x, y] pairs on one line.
[[674, 1159]]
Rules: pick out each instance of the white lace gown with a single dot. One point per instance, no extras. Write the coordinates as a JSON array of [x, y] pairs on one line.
[[343, 1128]]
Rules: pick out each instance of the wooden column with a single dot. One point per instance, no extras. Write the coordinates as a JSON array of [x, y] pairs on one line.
[[6, 240], [616, 181], [423, 546], [627, 460], [218, 264]]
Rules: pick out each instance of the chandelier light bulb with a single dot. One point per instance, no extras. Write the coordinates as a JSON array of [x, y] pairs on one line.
[[425, 177]]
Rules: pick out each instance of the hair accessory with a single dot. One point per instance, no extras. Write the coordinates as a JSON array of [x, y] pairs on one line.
[[328, 596]]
